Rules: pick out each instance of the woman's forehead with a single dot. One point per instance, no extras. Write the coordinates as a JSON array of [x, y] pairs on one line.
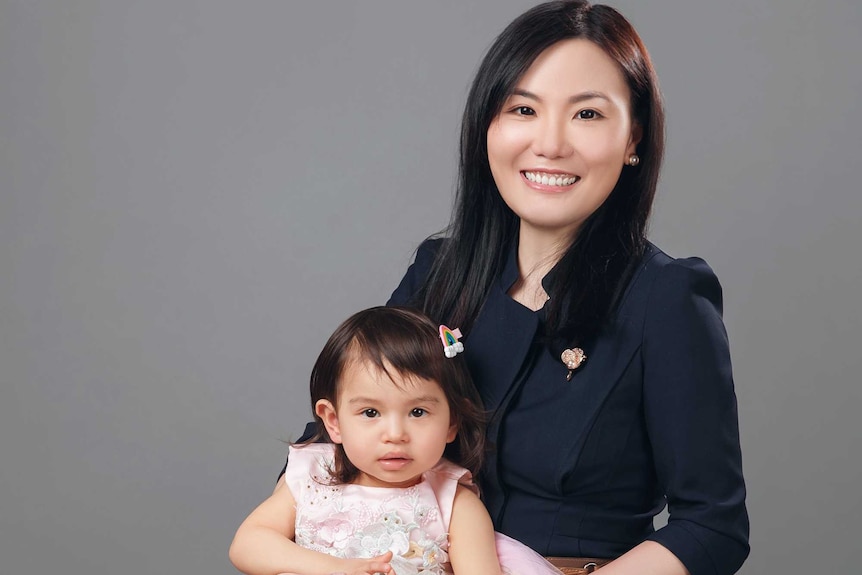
[[572, 68]]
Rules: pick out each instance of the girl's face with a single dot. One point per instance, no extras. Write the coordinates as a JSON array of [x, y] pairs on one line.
[[558, 146], [392, 430]]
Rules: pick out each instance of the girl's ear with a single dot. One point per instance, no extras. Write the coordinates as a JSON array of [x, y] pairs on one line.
[[453, 433], [326, 412]]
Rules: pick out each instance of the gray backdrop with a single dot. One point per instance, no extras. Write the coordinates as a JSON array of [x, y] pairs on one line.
[[195, 193]]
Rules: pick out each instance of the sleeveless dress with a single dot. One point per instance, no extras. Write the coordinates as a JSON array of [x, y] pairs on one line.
[[356, 521]]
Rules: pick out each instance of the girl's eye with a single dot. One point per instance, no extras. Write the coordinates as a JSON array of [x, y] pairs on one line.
[[370, 413], [587, 115], [418, 412], [524, 111]]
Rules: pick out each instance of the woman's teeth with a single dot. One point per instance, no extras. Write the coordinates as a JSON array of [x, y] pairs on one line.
[[550, 179]]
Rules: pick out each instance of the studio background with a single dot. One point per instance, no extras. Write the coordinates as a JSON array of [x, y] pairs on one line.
[[193, 194]]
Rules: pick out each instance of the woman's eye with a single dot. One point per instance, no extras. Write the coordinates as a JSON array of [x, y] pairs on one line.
[[587, 115], [524, 111], [418, 412], [370, 413]]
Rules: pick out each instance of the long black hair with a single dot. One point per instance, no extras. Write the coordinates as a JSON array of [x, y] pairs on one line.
[[587, 281]]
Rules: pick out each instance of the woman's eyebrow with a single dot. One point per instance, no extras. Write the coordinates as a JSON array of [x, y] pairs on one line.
[[589, 95]]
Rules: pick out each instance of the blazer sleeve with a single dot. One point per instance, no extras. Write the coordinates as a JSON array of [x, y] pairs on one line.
[[416, 274], [691, 417]]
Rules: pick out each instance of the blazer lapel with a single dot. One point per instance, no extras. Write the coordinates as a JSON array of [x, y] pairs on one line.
[[609, 357], [497, 345]]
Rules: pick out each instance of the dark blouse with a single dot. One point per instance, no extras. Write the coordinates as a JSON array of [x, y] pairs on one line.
[[581, 467]]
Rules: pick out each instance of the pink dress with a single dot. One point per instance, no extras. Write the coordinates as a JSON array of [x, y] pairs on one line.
[[355, 521]]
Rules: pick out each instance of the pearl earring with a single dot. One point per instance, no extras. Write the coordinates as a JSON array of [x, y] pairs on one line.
[[634, 160]]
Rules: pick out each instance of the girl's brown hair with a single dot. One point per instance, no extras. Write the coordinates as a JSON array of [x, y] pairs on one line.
[[406, 341]]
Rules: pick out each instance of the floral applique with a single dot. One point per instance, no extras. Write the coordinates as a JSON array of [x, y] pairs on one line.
[[355, 521], [414, 552], [431, 551]]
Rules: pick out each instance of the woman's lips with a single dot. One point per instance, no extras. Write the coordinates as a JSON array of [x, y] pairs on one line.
[[549, 181]]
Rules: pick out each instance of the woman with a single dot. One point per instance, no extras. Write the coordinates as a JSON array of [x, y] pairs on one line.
[[603, 361]]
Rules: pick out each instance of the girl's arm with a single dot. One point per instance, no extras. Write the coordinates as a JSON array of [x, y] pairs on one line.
[[472, 549], [263, 544]]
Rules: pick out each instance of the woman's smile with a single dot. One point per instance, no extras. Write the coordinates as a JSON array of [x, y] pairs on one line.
[[550, 180]]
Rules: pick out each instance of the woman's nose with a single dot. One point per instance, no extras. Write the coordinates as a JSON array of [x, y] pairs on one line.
[[551, 139]]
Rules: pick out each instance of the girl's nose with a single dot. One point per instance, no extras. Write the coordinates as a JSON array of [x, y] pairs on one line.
[[551, 139], [395, 431]]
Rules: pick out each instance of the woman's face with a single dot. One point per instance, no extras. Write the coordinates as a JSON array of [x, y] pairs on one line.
[[558, 146]]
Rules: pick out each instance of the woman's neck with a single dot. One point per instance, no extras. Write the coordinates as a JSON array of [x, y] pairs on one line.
[[538, 252]]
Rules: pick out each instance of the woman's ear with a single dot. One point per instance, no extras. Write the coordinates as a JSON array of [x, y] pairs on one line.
[[637, 134], [326, 412]]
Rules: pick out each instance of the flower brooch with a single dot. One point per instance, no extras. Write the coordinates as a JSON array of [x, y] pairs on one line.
[[573, 358]]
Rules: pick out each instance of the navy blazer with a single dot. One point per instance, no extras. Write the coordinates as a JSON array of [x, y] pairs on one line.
[[581, 467]]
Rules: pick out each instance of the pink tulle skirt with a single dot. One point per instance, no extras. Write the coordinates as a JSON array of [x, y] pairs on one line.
[[518, 559]]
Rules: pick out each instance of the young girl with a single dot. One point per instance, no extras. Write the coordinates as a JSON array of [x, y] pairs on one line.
[[391, 491]]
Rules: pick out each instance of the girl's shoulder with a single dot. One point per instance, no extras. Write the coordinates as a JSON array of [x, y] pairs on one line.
[[445, 480], [310, 452], [446, 471], [311, 461]]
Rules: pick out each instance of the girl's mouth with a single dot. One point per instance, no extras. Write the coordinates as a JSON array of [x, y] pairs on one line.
[[394, 462]]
